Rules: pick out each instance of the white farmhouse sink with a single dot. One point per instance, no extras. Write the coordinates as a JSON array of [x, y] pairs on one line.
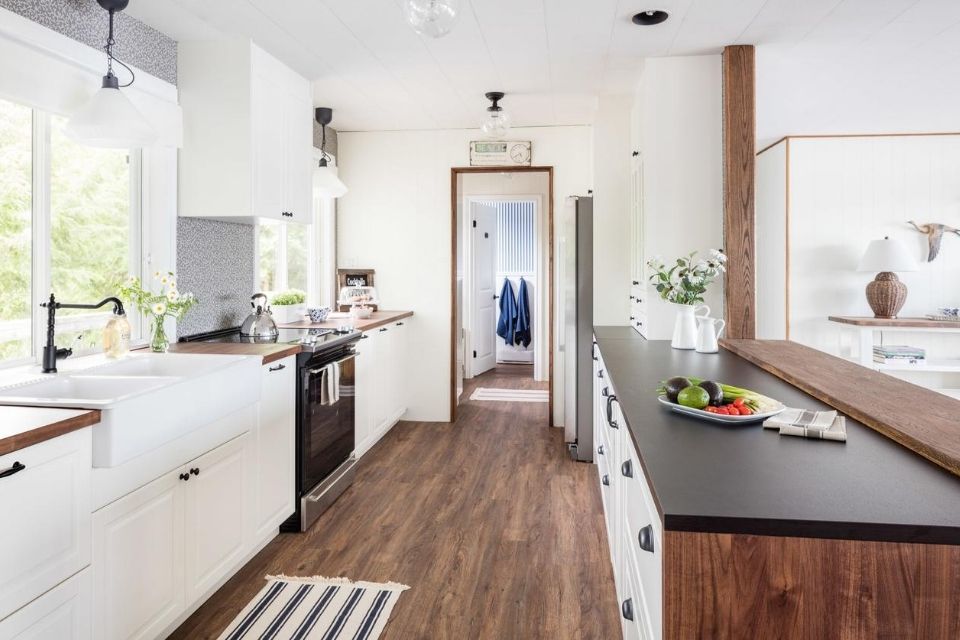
[[146, 400]]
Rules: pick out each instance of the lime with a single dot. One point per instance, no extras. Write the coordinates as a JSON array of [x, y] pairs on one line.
[[694, 397]]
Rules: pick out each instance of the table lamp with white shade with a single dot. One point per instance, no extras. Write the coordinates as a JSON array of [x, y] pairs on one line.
[[886, 294]]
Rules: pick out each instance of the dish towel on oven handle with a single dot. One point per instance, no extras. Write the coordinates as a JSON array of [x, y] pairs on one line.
[[820, 425]]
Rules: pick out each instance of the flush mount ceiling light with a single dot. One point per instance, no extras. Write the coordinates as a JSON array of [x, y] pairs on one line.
[[650, 17], [109, 119], [434, 18], [497, 122], [325, 180]]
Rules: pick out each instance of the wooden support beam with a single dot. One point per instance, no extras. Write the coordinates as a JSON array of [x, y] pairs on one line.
[[739, 160]]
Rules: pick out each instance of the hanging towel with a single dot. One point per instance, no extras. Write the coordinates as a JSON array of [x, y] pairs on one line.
[[507, 325], [522, 335]]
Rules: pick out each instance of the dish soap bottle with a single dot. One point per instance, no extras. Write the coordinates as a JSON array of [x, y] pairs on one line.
[[116, 336]]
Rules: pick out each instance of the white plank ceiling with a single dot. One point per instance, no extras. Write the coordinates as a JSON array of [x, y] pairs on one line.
[[554, 58]]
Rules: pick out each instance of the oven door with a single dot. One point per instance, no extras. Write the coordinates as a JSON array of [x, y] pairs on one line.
[[327, 419]]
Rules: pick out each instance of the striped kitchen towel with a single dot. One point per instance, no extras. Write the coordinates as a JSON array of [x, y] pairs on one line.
[[316, 608], [821, 425]]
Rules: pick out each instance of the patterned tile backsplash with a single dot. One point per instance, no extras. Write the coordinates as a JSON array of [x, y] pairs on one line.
[[85, 21], [216, 261]]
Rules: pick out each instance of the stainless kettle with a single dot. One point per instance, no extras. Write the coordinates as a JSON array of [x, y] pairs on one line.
[[259, 324]]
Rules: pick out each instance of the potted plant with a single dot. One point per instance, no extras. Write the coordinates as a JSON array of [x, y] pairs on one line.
[[168, 302], [289, 306], [683, 285]]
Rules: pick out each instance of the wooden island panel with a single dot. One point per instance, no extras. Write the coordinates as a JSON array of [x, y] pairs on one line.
[[723, 586], [920, 419]]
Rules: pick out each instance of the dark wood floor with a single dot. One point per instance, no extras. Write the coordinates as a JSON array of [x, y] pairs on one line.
[[497, 532]]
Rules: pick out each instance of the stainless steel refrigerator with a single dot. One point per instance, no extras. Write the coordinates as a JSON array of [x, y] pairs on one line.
[[577, 264]]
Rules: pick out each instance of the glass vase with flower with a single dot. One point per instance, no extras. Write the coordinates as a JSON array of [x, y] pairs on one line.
[[167, 302]]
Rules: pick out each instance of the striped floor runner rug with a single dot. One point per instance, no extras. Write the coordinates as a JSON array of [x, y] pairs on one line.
[[316, 609], [510, 395]]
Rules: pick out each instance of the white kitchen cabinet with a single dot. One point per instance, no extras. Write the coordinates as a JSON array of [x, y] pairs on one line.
[[248, 134], [45, 535], [63, 613], [159, 549], [381, 382], [216, 523], [138, 561], [274, 486]]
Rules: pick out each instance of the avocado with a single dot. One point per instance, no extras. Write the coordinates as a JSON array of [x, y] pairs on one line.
[[716, 393], [674, 386]]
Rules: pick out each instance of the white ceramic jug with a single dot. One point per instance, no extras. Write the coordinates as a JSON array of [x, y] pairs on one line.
[[685, 326], [709, 331]]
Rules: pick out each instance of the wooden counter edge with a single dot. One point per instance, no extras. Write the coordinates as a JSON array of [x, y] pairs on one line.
[[48, 432], [922, 444]]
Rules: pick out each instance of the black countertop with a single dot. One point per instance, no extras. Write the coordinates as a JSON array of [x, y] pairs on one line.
[[708, 477]]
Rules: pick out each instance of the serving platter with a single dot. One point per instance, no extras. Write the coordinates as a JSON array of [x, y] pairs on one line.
[[718, 417]]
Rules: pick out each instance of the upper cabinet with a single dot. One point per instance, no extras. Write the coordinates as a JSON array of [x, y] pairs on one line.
[[248, 134]]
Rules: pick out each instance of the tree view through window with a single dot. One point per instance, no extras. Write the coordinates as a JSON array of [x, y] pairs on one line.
[[16, 230]]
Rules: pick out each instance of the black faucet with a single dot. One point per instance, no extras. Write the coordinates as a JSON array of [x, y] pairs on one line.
[[50, 352]]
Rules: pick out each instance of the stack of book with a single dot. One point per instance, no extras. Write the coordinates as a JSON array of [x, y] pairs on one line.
[[899, 354]]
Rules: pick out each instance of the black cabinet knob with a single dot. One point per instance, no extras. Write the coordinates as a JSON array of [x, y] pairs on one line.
[[645, 538], [631, 297], [184, 476], [633, 317], [600, 373], [600, 450], [195, 471], [605, 480], [16, 468], [627, 468], [636, 282], [626, 608]]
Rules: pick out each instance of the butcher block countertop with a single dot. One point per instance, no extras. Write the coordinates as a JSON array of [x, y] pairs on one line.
[[21, 427], [271, 352], [745, 479], [378, 319]]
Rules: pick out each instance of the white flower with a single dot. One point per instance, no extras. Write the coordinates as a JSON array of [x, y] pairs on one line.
[[159, 308], [719, 256], [156, 274], [164, 279], [131, 279], [172, 283], [172, 295]]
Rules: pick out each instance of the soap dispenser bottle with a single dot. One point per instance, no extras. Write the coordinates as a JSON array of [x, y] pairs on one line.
[[116, 336]]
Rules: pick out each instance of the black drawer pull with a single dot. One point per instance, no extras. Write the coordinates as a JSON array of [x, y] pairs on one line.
[[600, 450], [279, 367], [605, 480], [600, 373], [399, 324], [610, 421], [184, 476], [16, 468], [645, 538], [383, 329], [195, 471], [364, 337], [605, 392], [627, 468], [626, 608]]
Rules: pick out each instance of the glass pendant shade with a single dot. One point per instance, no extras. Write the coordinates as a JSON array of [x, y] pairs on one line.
[[110, 120], [326, 182], [434, 18], [496, 125]]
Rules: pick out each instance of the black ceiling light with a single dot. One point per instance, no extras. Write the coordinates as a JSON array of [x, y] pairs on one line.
[[325, 180], [650, 17]]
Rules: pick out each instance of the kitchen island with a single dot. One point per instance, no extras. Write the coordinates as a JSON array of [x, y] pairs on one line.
[[719, 529]]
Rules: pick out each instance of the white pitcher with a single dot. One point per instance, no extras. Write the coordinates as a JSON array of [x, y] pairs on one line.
[[709, 331], [685, 326]]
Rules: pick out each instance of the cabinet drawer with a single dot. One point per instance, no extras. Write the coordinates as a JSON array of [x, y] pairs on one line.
[[63, 613], [46, 512], [639, 322], [643, 544], [633, 614]]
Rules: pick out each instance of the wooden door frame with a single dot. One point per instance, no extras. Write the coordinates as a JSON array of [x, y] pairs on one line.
[[455, 172]]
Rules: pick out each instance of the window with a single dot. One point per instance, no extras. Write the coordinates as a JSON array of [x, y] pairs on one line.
[[79, 239], [284, 256]]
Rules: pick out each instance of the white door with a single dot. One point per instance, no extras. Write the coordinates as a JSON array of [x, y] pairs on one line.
[[275, 462], [215, 514], [138, 561], [484, 287]]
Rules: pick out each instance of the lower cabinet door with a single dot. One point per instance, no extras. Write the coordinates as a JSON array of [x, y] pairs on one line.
[[275, 483], [63, 613], [138, 559], [365, 392], [216, 514]]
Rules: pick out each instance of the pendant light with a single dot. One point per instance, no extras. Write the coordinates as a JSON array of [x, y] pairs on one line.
[[109, 119], [497, 123], [434, 18], [325, 180]]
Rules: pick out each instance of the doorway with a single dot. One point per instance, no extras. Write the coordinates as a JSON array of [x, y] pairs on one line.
[[502, 280]]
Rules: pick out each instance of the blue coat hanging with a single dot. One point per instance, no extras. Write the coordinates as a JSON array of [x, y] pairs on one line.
[[522, 335], [506, 326]]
